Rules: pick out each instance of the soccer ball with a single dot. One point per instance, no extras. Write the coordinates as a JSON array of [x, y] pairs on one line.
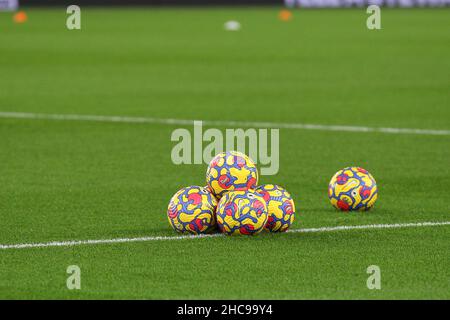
[[232, 25], [353, 188], [241, 212], [280, 205], [192, 210], [230, 171]]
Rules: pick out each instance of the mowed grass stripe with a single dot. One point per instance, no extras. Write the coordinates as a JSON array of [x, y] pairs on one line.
[[251, 124], [191, 237]]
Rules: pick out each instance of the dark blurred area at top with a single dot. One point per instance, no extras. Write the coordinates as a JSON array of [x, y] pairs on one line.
[[147, 2]]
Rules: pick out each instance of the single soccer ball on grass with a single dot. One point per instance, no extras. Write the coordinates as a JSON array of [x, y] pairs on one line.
[[241, 213], [232, 25], [229, 171], [281, 207], [192, 210], [353, 189]]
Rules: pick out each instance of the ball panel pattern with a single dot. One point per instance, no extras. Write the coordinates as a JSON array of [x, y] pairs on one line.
[[241, 213], [192, 210], [353, 189], [229, 171], [281, 207]]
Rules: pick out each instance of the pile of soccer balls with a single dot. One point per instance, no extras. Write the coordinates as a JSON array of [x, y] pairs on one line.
[[233, 203]]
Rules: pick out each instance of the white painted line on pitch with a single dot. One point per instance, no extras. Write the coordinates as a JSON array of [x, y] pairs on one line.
[[373, 226], [161, 238], [182, 122]]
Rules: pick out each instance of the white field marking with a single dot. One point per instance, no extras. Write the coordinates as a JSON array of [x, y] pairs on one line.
[[161, 238], [182, 122]]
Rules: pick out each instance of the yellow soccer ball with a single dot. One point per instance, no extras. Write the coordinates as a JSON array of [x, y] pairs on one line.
[[352, 189], [241, 213], [229, 171], [280, 205], [192, 210]]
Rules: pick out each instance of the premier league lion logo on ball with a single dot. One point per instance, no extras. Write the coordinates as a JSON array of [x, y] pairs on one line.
[[353, 189]]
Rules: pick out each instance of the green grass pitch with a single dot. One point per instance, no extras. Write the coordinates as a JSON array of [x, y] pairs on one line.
[[87, 180]]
